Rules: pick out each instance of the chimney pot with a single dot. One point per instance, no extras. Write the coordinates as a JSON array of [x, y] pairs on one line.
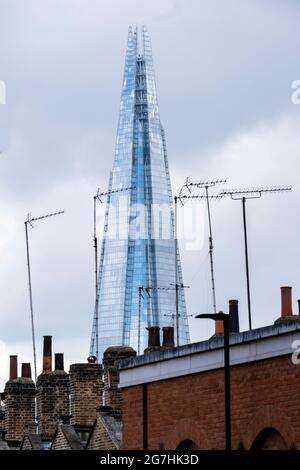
[[286, 302], [47, 354], [154, 337], [168, 337], [219, 327], [92, 359], [234, 324], [59, 361], [298, 306], [26, 370], [13, 367]]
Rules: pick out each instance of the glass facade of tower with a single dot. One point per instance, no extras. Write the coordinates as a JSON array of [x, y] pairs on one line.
[[138, 268]]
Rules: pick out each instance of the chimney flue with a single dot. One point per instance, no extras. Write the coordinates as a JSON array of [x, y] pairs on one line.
[[59, 361], [26, 370], [92, 359], [234, 324], [13, 367], [168, 337], [286, 302], [219, 327], [47, 354], [154, 337]]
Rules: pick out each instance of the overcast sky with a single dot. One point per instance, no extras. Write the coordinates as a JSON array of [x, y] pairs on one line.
[[224, 71]]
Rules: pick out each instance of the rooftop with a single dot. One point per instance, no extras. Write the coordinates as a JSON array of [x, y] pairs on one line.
[[214, 343]]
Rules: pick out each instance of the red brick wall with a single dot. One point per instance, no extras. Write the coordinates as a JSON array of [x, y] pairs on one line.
[[265, 394]]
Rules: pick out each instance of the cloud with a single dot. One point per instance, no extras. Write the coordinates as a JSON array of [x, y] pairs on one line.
[[224, 74], [265, 155], [73, 349]]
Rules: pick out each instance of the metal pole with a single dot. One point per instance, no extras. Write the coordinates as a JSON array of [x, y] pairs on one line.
[[247, 262], [225, 319], [211, 253], [95, 246], [96, 277], [32, 324], [98, 196], [139, 320], [30, 301], [227, 384], [176, 275], [242, 195]]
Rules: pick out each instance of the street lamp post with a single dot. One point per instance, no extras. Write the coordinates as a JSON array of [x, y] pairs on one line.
[[225, 319]]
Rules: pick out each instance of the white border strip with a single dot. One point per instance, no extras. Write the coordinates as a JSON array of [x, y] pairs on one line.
[[209, 360]]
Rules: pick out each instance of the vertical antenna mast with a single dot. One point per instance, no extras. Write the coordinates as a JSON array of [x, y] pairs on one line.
[[147, 289], [205, 185], [211, 251], [99, 197], [27, 222], [139, 321], [30, 301], [176, 273], [243, 195], [177, 284]]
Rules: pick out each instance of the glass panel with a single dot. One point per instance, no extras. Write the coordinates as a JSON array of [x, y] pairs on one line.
[[142, 255]]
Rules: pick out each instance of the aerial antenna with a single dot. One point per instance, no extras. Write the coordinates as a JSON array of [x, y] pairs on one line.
[[147, 290], [99, 197], [186, 193], [243, 195], [30, 220], [173, 316], [177, 285]]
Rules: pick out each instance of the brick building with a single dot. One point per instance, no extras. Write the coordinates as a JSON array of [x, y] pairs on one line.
[[174, 398], [89, 392], [19, 398], [53, 390], [166, 399]]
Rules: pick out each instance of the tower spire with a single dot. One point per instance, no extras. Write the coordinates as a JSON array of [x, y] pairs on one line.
[[137, 249]]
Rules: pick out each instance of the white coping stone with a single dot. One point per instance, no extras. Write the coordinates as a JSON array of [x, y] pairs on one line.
[[264, 348]]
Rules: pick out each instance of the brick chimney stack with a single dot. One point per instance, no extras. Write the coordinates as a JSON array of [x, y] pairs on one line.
[[111, 358], [19, 402], [2, 415], [53, 389], [86, 388], [286, 306]]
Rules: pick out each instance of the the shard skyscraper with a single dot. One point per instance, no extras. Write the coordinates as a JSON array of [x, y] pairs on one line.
[[138, 269]]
